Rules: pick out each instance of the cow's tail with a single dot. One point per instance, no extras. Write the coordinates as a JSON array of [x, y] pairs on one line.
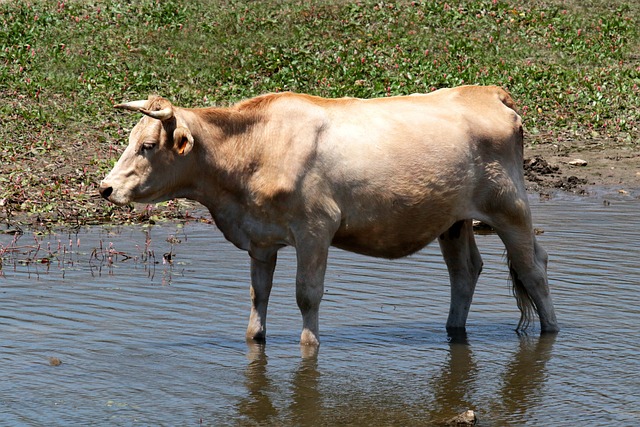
[[525, 303]]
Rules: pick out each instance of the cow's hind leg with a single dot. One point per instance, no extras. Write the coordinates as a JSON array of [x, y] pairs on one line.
[[528, 270], [262, 269], [464, 263], [527, 265]]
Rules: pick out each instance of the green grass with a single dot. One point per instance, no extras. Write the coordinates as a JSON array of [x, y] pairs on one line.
[[572, 66]]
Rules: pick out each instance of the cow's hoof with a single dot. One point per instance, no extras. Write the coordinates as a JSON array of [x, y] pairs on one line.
[[308, 338], [257, 336]]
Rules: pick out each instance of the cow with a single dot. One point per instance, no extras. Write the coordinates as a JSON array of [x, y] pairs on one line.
[[381, 177]]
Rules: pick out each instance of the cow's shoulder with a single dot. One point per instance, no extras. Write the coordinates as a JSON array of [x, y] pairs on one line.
[[283, 141]]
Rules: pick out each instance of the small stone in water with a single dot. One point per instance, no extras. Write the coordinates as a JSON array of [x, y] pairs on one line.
[[467, 418]]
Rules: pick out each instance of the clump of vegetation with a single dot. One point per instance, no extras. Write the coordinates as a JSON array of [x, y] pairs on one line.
[[39, 253], [573, 68]]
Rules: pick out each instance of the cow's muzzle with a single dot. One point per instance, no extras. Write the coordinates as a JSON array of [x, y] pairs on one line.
[[105, 190]]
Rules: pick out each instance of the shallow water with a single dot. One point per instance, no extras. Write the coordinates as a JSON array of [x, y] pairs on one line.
[[145, 341]]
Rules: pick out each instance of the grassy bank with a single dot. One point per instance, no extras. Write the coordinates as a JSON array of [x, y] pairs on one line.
[[573, 67]]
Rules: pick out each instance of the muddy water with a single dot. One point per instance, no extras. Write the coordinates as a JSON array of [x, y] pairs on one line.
[[99, 328]]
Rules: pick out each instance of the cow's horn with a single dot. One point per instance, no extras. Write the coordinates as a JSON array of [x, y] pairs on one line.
[[164, 114], [140, 106], [133, 105]]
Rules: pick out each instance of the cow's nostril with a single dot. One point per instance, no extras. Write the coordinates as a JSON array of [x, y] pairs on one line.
[[106, 192]]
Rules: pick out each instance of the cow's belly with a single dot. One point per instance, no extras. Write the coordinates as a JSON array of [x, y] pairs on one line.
[[381, 249], [391, 237]]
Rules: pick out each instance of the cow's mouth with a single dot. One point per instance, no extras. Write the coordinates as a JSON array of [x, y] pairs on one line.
[[107, 193]]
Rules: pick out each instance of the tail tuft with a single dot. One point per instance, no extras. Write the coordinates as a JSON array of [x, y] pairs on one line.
[[525, 304]]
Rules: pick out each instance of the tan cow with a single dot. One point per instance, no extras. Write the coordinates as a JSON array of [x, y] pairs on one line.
[[381, 177]]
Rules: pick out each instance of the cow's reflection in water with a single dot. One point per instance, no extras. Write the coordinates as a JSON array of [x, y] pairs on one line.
[[524, 377], [308, 400], [458, 376]]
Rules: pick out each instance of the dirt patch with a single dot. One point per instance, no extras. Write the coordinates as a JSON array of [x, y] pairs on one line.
[[537, 170], [577, 166]]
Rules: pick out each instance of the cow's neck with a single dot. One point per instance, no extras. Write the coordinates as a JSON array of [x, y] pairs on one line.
[[224, 152]]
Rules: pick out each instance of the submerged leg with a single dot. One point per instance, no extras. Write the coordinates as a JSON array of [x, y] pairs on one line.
[[312, 264], [528, 269], [261, 282], [527, 265], [464, 263]]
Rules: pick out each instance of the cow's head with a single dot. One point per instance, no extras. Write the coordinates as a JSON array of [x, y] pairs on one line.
[[153, 165]]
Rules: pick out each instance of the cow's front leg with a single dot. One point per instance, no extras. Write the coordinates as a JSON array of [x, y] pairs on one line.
[[262, 267], [312, 264]]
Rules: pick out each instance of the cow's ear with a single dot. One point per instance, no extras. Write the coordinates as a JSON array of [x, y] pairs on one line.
[[182, 140]]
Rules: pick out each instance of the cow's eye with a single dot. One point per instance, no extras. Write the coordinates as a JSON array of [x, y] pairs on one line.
[[147, 146]]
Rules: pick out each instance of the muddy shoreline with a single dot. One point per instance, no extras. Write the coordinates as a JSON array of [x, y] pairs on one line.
[[577, 167]]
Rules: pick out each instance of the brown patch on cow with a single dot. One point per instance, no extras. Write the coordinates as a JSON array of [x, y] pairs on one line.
[[323, 102], [258, 103], [270, 172], [263, 102]]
